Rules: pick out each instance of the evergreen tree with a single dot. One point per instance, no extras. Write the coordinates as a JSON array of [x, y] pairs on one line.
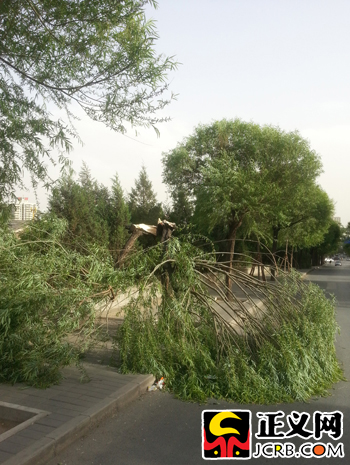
[[81, 205], [118, 219], [143, 203], [95, 214]]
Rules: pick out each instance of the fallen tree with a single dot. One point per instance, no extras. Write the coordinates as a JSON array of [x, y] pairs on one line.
[[255, 342]]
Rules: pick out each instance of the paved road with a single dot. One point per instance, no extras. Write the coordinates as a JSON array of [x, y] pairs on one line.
[[158, 429]]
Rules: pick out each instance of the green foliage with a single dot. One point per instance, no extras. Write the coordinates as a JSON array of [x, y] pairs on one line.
[[79, 204], [311, 221], [95, 215], [285, 355], [118, 218], [59, 53], [143, 203], [242, 175], [331, 240], [46, 293], [173, 327], [346, 239]]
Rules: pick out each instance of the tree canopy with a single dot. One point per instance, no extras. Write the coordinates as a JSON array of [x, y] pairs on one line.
[[234, 171], [95, 214], [143, 203], [61, 54]]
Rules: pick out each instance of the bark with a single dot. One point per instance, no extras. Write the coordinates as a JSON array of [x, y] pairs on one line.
[[137, 230], [165, 230], [275, 230], [128, 246], [286, 263], [232, 241], [258, 264]]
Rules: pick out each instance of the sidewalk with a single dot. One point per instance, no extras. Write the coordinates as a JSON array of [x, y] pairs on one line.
[[69, 410]]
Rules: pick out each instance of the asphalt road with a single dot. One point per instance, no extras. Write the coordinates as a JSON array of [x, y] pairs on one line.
[[158, 429]]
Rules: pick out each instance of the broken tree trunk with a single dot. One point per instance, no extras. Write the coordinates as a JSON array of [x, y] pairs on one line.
[[136, 230], [164, 229]]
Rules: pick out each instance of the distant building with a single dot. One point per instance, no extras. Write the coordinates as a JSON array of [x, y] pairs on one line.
[[337, 219], [23, 210]]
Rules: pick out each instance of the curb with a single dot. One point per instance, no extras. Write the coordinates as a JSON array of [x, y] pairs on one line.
[[53, 443], [307, 272]]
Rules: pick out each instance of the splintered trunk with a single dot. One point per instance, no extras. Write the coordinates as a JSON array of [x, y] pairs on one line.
[[128, 246], [165, 230]]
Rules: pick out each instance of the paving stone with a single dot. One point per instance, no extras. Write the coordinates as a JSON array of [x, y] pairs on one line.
[[31, 434], [42, 428], [68, 412], [19, 439], [11, 447], [34, 454], [91, 400], [98, 393], [5, 456], [57, 406], [49, 421], [34, 402], [36, 392], [66, 394], [66, 401]]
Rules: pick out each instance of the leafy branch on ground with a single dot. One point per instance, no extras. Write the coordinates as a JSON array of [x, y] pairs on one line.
[[276, 346], [270, 342]]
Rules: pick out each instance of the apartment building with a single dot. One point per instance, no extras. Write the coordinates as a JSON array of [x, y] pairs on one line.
[[24, 210]]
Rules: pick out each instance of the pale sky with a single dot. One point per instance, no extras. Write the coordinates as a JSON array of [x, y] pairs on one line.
[[278, 62]]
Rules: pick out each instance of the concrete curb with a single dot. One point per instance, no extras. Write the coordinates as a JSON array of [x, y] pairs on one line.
[[304, 273], [53, 443]]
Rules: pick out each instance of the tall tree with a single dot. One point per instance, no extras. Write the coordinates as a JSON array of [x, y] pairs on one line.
[[143, 203], [97, 55], [82, 205], [346, 239], [236, 171], [119, 218]]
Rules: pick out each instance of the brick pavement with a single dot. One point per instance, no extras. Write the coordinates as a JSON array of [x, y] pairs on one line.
[[72, 408]]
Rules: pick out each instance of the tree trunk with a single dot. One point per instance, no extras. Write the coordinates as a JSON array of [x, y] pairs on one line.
[[260, 264], [165, 230], [128, 246], [232, 241], [275, 230], [286, 264]]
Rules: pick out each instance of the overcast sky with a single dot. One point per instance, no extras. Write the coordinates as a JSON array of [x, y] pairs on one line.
[[278, 62]]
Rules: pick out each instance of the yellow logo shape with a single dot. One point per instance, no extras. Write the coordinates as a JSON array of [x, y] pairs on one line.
[[215, 424]]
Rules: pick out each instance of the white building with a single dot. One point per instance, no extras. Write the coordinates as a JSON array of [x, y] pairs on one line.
[[23, 209]]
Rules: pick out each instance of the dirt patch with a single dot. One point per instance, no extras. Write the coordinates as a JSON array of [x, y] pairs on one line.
[[5, 425]]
